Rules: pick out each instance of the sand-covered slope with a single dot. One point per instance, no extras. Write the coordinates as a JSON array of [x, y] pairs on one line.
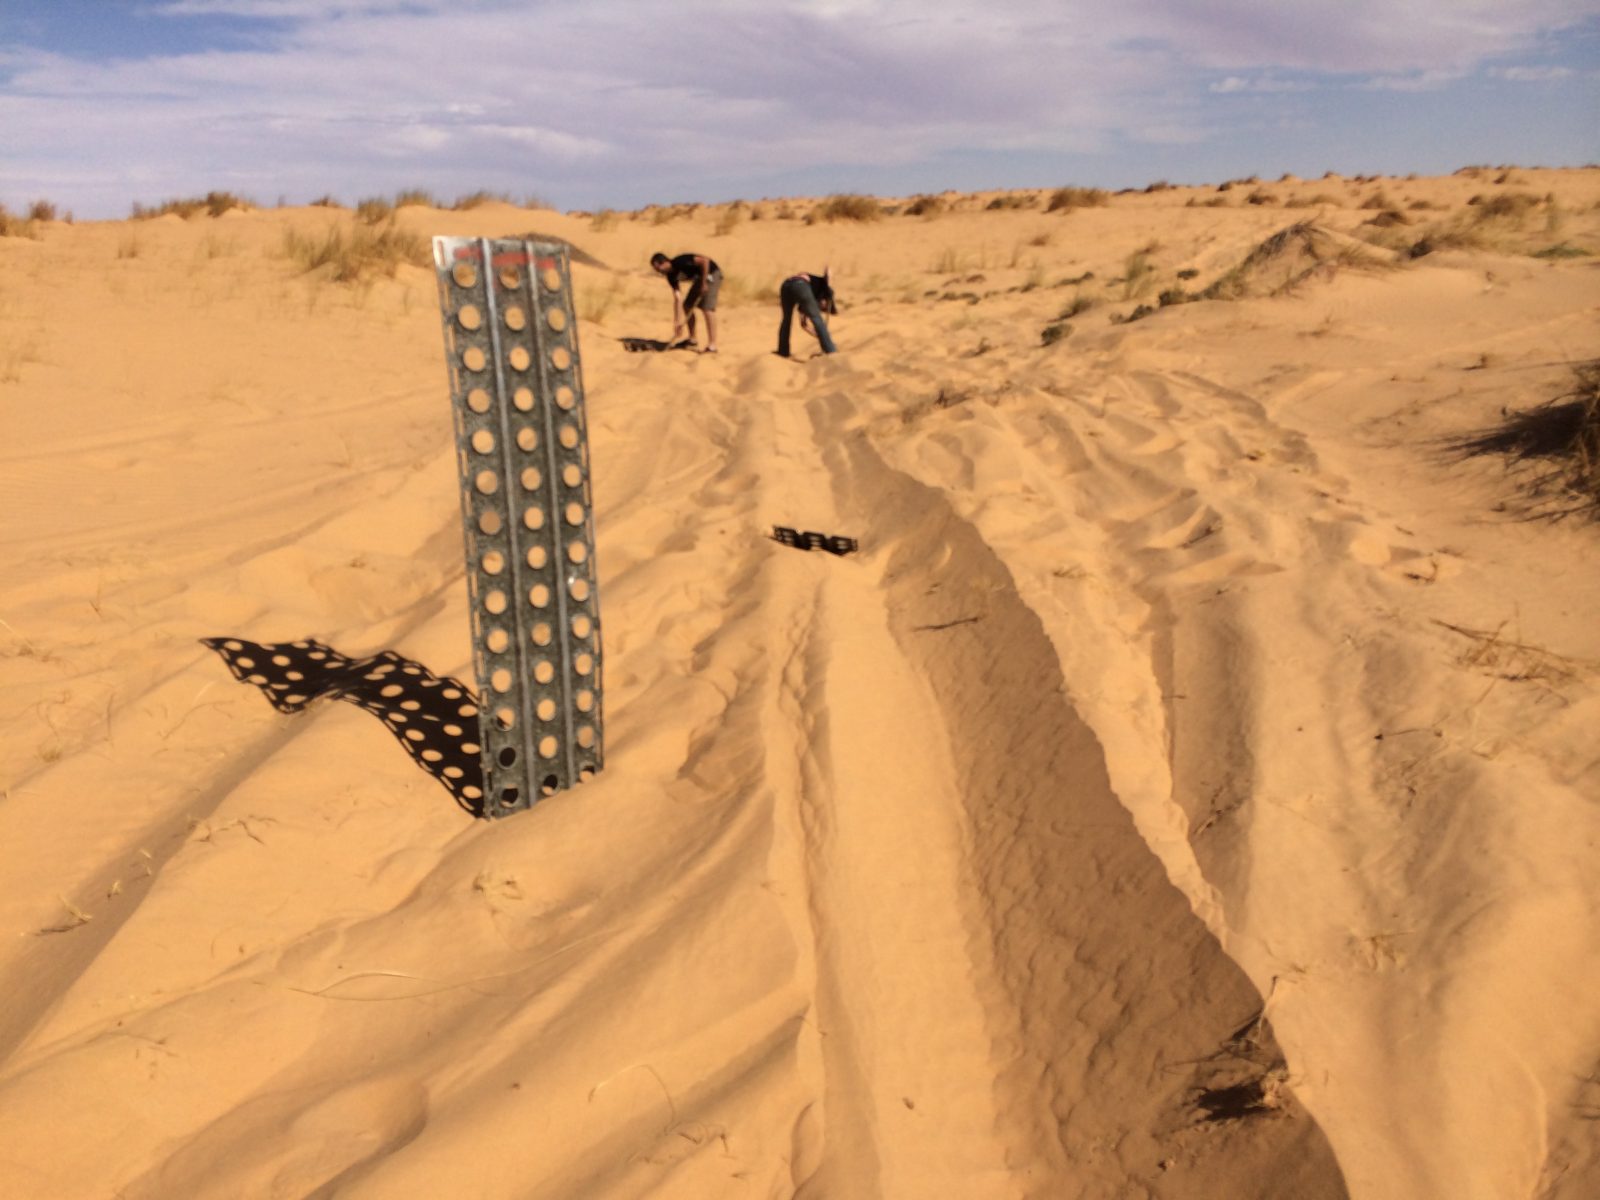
[[1189, 790]]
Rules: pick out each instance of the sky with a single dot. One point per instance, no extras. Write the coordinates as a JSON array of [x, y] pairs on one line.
[[620, 103]]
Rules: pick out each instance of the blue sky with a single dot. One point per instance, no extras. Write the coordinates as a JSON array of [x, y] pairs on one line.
[[625, 102]]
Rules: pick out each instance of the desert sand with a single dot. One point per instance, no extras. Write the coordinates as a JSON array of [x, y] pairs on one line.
[[1190, 789]]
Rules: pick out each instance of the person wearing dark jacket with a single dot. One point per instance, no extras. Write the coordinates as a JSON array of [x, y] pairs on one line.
[[813, 296], [704, 278]]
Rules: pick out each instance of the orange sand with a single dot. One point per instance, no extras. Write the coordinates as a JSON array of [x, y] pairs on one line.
[[964, 867]]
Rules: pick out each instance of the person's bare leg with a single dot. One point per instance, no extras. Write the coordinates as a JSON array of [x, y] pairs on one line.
[[691, 316], [711, 332]]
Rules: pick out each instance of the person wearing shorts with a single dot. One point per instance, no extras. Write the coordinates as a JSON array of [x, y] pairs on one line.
[[812, 295], [704, 278]]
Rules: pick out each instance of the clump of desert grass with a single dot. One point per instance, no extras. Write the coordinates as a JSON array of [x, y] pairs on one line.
[[730, 219], [847, 206], [12, 225], [925, 206], [1066, 198], [1553, 449], [479, 198], [374, 210], [212, 204], [1011, 201], [356, 252], [416, 198]]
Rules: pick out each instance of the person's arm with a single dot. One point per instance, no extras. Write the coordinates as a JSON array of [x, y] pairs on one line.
[[704, 263], [677, 310]]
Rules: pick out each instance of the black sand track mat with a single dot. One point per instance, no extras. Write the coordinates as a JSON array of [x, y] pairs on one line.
[[435, 719]]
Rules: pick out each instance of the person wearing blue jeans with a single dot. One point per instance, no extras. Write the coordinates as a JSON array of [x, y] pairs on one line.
[[812, 295]]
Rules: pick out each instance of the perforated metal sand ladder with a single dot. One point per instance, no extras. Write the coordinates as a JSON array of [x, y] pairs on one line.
[[522, 447]]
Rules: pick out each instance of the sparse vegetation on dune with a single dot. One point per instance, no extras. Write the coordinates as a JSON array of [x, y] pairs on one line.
[[212, 204], [15, 226], [848, 207], [350, 253], [1554, 448], [1077, 197], [925, 206], [479, 198], [415, 198], [374, 209]]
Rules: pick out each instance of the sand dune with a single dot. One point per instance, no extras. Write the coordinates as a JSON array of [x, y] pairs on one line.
[[1188, 790]]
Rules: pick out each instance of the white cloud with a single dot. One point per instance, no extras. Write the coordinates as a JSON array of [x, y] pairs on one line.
[[1531, 74]]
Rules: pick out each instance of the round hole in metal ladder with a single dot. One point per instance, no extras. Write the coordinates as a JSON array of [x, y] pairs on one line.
[[546, 709], [556, 319], [500, 680], [510, 277], [579, 589], [572, 475], [515, 319], [586, 736], [544, 671], [538, 595], [465, 274], [469, 317], [493, 562], [577, 552], [540, 634], [523, 399], [527, 439], [519, 358], [581, 625], [551, 278], [533, 517], [560, 358], [583, 664], [509, 797], [489, 521], [478, 400], [531, 479], [505, 717], [574, 513], [497, 641], [584, 700], [507, 756], [565, 397], [482, 441], [537, 557], [548, 746], [569, 436], [495, 602], [473, 359], [487, 482]]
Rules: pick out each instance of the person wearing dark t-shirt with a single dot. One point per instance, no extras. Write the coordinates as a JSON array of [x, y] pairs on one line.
[[813, 296], [704, 278]]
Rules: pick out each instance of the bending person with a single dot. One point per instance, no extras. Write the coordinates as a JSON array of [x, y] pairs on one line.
[[705, 280], [813, 296]]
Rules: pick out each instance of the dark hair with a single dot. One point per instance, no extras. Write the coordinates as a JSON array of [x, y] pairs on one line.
[[658, 257]]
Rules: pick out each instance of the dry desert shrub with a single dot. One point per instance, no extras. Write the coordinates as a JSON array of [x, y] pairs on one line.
[[603, 221], [1077, 197], [848, 207], [1555, 448], [41, 210], [925, 206], [1011, 201], [212, 204], [479, 198], [1290, 257], [374, 210], [1514, 205], [355, 252], [327, 201], [729, 219], [14, 226], [415, 198], [1260, 197]]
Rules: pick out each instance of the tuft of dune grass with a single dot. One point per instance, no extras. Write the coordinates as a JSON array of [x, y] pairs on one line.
[[15, 226], [848, 207], [1554, 447], [1077, 197], [355, 252]]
